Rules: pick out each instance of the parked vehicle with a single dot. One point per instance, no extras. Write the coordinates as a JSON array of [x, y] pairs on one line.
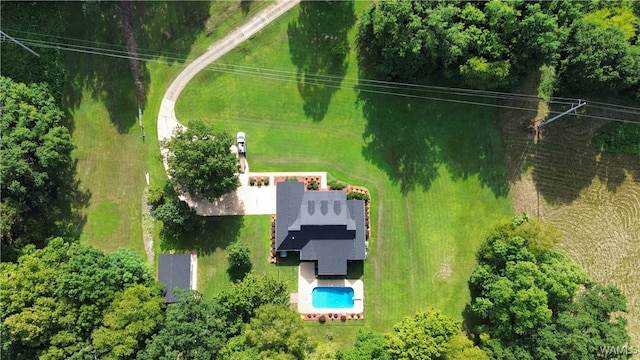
[[242, 147]]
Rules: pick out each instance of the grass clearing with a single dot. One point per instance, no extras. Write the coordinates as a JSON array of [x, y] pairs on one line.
[[435, 170], [111, 167]]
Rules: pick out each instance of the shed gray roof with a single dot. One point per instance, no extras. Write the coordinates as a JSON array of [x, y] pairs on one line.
[[174, 271], [321, 225]]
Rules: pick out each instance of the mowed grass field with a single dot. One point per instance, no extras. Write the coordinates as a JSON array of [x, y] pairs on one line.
[[434, 168], [111, 166]]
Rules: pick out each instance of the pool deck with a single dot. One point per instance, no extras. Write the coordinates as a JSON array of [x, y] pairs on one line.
[[307, 282]]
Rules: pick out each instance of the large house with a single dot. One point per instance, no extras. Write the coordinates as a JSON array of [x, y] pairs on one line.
[[322, 225]]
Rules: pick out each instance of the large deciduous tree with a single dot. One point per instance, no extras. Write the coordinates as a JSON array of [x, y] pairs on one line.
[[239, 302], [133, 316], [201, 162], [405, 40], [368, 346], [599, 59], [19, 18], [275, 332], [424, 335], [35, 167], [522, 299], [176, 216], [485, 45], [193, 330]]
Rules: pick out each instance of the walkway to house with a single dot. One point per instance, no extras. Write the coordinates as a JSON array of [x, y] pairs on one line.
[[246, 200]]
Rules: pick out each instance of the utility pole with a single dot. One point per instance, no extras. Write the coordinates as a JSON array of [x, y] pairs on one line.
[[4, 35], [140, 121], [573, 108]]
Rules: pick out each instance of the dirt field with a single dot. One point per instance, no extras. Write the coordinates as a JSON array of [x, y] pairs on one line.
[[593, 198]]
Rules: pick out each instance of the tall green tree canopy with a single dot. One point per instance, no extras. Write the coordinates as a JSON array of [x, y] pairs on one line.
[[26, 19], [275, 332], [176, 216], [485, 45], [198, 328], [131, 318], [599, 59], [368, 346], [522, 298], [35, 166], [54, 298], [239, 302], [424, 335], [201, 162], [193, 329]]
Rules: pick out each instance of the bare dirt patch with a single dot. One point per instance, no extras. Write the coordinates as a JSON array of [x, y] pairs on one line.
[[593, 198]]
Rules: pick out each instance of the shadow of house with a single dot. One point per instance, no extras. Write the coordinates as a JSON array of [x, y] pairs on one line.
[[174, 272], [319, 46], [323, 226]]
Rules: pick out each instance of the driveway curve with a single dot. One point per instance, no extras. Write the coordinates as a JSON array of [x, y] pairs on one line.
[[230, 204], [167, 120]]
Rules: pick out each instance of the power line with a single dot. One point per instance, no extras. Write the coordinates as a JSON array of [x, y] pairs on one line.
[[324, 78], [5, 36], [364, 85]]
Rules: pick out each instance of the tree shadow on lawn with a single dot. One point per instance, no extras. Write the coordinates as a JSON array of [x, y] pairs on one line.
[[245, 5], [209, 234], [562, 162], [237, 273], [410, 138], [319, 47], [163, 30], [565, 163]]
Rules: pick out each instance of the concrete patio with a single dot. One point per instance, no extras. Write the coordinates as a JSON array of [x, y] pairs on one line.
[[307, 281]]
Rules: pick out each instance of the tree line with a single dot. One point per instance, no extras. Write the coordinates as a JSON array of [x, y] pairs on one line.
[[36, 168], [495, 44]]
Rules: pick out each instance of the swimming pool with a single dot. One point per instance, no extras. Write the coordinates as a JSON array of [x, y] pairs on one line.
[[332, 297]]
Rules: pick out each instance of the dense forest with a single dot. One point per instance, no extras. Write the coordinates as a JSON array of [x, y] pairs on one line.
[[494, 44]]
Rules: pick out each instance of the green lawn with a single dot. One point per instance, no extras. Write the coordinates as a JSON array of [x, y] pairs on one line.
[[434, 168], [111, 167], [101, 101]]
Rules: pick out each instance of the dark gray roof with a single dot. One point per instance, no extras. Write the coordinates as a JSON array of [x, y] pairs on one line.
[[174, 271], [322, 225]]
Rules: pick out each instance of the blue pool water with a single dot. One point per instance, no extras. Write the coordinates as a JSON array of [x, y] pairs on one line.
[[332, 297]]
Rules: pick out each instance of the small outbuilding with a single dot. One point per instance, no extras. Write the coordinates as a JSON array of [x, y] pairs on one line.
[[174, 272]]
